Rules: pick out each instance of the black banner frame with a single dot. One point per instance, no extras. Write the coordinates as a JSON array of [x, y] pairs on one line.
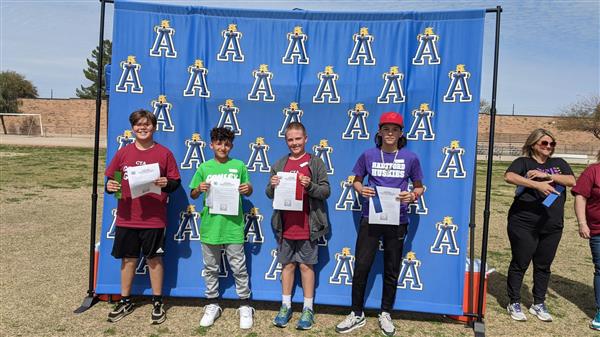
[[477, 322]]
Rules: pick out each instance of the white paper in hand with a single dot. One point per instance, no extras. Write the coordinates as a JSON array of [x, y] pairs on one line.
[[285, 193], [141, 179], [224, 196], [390, 205]]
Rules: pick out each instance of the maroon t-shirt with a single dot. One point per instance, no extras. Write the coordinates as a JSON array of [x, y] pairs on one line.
[[588, 185], [149, 210], [295, 223]]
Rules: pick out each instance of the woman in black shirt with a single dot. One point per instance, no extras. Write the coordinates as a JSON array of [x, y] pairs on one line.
[[535, 219]]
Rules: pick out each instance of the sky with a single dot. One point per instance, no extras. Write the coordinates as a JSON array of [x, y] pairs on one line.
[[549, 50]]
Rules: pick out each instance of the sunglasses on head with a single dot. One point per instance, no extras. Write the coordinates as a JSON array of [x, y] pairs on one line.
[[546, 143]]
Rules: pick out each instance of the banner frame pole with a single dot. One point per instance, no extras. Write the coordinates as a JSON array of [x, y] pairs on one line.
[[479, 325], [91, 297]]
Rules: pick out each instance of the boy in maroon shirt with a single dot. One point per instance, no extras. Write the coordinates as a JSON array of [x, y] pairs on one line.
[[298, 231], [141, 221]]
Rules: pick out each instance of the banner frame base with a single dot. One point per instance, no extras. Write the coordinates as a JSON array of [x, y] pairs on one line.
[[88, 302]]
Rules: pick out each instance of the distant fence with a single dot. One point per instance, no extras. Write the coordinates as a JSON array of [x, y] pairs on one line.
[[21, 124], [30, 126], [514, 149]]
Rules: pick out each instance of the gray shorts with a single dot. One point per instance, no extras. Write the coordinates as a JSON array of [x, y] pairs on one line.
[[301, 251]]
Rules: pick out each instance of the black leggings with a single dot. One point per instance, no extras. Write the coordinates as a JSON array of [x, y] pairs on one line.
[[367, 244], [529, 244]]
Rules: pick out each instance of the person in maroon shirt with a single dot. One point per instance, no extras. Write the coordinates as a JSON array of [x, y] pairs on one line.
[[587, 210], [298, 231], [141, 221]]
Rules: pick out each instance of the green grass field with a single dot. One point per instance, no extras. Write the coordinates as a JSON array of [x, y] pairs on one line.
[[45, 196]]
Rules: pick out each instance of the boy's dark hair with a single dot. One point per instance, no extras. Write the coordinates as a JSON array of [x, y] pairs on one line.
[[221, 134], [295, 126], [142, 113]]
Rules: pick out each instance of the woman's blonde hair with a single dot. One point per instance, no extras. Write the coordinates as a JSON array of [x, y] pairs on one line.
[[533, 138], [598, 156]]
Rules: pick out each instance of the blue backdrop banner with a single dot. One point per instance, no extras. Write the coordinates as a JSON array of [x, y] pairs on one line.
[[256, 71]]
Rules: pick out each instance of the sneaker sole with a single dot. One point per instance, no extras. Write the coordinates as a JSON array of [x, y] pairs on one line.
[[281, 325], [385, 334], [359, 325], [597, 328], [531, 311], [160, 320], [118, 318], [303, 328]]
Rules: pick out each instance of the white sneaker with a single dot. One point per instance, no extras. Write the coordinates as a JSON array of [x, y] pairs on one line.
[[514, 309], [246, 313], [541, 312], [386, 324], [351, 322], [211, 313]]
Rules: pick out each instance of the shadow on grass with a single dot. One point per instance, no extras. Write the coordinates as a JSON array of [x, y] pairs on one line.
[[497, 288], [580, 294]]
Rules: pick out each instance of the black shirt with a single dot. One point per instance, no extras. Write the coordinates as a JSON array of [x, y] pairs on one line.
[[527, 209]]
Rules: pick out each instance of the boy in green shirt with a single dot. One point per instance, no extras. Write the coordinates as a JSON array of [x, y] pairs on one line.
[[218, 231]]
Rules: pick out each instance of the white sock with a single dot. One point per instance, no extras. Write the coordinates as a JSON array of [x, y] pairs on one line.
[[308, 303], [286, 300]]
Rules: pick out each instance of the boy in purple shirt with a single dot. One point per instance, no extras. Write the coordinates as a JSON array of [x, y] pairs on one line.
[[389, 164]]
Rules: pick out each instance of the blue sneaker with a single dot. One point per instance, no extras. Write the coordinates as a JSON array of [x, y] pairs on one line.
[[595, 323], [283, 317], [306, 320]]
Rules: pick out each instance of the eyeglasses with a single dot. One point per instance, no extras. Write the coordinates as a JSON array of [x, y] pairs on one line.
[[546, 143]]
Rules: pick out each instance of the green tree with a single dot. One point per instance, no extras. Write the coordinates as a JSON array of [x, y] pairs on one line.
[[91, 72], [583, 115], [12, 87]]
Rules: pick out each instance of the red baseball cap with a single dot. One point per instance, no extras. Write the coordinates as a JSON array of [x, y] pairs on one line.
[[391, 118]]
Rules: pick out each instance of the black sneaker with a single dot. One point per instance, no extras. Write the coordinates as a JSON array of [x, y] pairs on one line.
[[158, 313], [121, 309]]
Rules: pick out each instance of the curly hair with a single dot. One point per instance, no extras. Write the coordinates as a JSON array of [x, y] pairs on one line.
[[221, 134]]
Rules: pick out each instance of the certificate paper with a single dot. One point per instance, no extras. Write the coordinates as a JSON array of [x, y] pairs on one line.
[[224, 196], [285, 193], [141, 179], [390, 214]]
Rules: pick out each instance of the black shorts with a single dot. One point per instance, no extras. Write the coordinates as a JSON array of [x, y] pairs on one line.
[[129, 242]]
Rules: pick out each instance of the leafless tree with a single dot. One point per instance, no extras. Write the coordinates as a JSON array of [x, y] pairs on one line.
[[583, 115]]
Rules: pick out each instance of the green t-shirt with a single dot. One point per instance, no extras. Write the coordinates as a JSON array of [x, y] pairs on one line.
[[218, 229]]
